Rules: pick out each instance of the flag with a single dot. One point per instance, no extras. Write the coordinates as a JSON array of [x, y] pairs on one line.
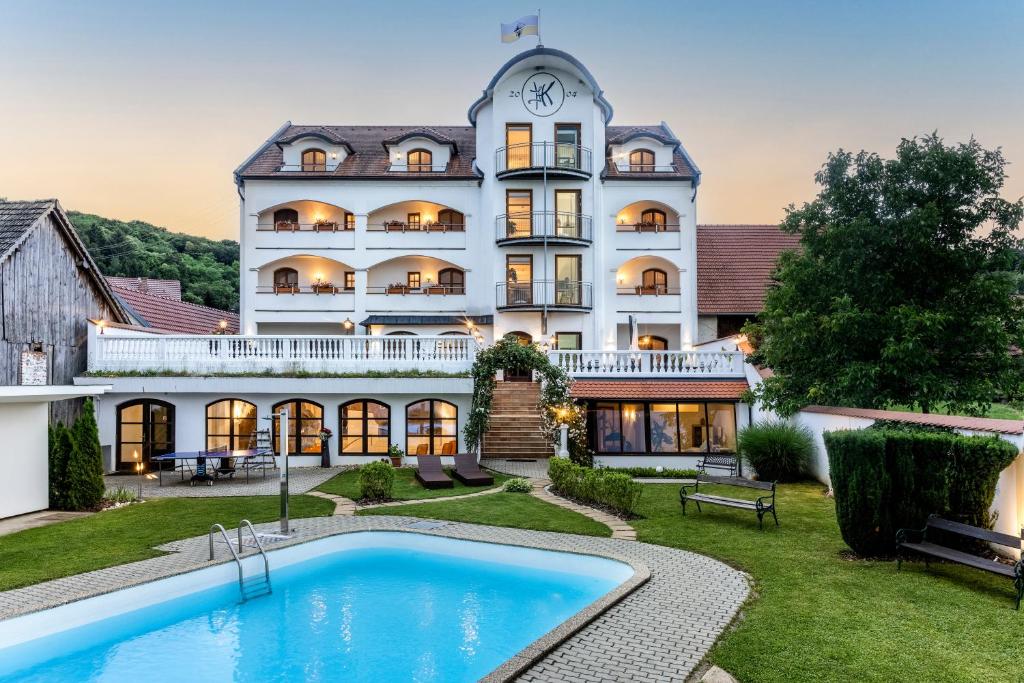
[[524, 26]]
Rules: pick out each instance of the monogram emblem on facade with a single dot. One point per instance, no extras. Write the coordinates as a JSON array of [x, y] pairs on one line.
[[543, 94]]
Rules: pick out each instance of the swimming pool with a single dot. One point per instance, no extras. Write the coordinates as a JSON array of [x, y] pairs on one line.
[[366, 606]]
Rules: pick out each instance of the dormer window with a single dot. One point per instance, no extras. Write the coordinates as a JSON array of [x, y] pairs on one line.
[[420, 161], [314, 160], [641, 161]]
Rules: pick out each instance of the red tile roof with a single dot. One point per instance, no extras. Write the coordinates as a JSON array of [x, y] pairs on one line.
[[170, 315], [735, 264], [168, 288], [618, 134], [977, 424], [659, 389]]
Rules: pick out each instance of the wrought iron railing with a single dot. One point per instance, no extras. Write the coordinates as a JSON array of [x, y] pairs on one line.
[[551, 224], [554, 156], [550, 293]]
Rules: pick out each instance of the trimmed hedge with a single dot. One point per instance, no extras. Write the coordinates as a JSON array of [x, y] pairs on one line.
[[612, 489], [885, 479], [653, 473], [777, 450], [376, 481]]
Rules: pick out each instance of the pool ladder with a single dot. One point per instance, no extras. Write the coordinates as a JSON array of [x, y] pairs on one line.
[[251, 586]]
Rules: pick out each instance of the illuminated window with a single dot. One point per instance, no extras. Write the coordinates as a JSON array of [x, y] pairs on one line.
[[431, 428], [231, 424], [144, 429], [655, 280], [669, 427], [314, 160], [420, 161], [412, 280], [350, 279], [653, 217], [350, 221], [413, 220], [305, 422], [365, 427], [650, 342], [641, 161], [568, 341]]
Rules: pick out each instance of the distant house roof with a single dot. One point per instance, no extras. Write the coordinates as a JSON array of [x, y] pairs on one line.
[[976, 424], [18, 219], [735, 265], [731, 390], [168, 288], [173, 315], [369, 157]]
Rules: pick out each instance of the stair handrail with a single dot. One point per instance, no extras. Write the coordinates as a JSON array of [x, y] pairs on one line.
[[227, 541], [259, 546]]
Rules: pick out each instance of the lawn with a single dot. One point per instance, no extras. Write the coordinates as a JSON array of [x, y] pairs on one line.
[[998, 411], [519, 510], [128, 534], [820, 616], [346, 484]]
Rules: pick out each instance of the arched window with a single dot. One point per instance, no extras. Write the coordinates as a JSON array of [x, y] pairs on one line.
[[365, 427], [451, 219], [655, 281], [286, 280], [286, 218], [431, 428], [231, 424], [453, 280], [650, 342], [641, 161], [145, 428], [420, 161], [523, 338], [653, 217], [400, 333], [305, 422], [314, 160]]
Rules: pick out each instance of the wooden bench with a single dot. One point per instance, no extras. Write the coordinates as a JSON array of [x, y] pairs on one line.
[[725, 462], [918, 541], [762, 506]]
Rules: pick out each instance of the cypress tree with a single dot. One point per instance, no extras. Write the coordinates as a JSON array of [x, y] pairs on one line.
[[60, 452], [85, 465]]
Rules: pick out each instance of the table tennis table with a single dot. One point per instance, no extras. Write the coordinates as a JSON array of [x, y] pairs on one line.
[[250, 458]]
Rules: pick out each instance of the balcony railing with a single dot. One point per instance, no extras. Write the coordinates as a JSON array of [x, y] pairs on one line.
[[309, 168], [425, 290], [294, 226], [646, 227], [545, 293], [322, 288], [553, 225], [401, 226], [245, 354], [625, 167], [648, 290], [649, 363], [535, 157]]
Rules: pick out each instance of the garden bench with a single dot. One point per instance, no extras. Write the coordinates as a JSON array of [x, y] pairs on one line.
[[719, 462], [918, 540], [762, 505]]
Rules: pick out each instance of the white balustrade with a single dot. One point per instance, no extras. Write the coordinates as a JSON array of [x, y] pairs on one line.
[[649, 363], [195, 354]]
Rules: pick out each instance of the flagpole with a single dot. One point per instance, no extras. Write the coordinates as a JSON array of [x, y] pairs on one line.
[[540, 43]]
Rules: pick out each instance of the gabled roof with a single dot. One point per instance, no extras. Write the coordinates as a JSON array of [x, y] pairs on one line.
[[684, 167], [368, 158], [735, 264], [422, 132], [321, 132], [168, 288], [171, 315], [18, 219]]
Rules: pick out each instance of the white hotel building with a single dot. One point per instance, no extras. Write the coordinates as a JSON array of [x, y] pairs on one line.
[[380, 248]]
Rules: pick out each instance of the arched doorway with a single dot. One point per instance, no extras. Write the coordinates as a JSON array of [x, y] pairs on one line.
[[145, 428], [519, 374]]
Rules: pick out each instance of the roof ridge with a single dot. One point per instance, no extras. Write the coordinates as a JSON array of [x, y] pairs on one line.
[[172, 300]]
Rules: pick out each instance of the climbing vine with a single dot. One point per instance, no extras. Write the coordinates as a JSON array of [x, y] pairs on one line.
[[556, 405]]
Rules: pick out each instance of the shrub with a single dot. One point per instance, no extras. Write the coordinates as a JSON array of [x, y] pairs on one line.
[[84, 475], [60, 452], [121, 494], [778, 450], [518, 485], [665, 473], [612, 489], [885, 480], [376, 481]]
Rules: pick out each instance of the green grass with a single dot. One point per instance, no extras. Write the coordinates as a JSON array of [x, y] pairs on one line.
[[998, 411], [406, 487], [128, 534], [520, 510], [820, 616]]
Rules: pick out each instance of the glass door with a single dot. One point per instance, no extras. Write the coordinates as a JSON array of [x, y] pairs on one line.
[[567, 214], [518, 137], [520, 280], [568, 273], [567, 145], [518, 213], [144, 429]]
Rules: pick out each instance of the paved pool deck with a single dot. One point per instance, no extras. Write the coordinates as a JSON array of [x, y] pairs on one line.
[[659, 632]]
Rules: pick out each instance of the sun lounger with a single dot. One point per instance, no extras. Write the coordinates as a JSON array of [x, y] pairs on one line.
[[430, 473], [468, 471]]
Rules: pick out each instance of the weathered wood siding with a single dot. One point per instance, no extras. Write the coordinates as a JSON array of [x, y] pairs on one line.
[[46, 298]]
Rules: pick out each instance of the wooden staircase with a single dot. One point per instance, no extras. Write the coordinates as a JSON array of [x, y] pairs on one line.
[[516, 423]]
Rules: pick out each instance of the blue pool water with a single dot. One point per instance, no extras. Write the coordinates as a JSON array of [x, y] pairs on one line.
[[364, 614]]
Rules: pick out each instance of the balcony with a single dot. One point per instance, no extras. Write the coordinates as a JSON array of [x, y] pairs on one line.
[[402, 235], [536, 159], [295, 226], [658, 299], [635, 364], [323, 298], [428, 298], [537, 227], [192, 354], [545, 294], [309, 168]]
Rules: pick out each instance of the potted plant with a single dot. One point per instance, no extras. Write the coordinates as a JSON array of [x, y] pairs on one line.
[[321, 287], [395, 454], [394, 226], [396, 288], [325, 448], [325, 226]]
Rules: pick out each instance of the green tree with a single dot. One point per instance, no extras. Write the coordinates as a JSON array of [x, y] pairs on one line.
[[903, 291], [85, 465], [60, 453]]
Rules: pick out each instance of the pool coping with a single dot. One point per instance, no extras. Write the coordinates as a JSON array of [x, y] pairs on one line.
[[184, 557]]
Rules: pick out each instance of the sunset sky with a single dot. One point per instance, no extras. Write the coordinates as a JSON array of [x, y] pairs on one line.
[[140, 110]]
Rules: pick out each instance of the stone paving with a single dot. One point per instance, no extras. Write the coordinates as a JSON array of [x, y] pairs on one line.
[[300, 480], [620, 528], [12, 525], [659, 632], [531, 469]]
